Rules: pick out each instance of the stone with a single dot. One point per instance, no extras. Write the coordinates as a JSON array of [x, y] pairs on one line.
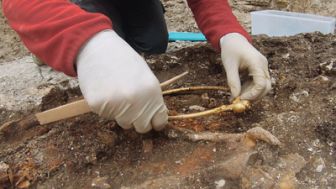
[[4, 177], [329, 67], [23, 84], [147, 145], [296, 97], [196, 108], [319, 165], [220, 183], [100, 183]]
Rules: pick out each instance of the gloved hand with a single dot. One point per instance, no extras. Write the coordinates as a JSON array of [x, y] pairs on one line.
[[238, 55], [118, 84]]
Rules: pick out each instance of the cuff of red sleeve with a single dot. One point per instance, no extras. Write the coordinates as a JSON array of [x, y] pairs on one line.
[[82, 37], [215, 40]]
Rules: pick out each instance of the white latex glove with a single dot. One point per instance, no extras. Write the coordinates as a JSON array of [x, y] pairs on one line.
[[237, 55], [118, 84]]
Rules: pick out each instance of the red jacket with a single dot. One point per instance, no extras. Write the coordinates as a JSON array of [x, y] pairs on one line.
[[55, 30]]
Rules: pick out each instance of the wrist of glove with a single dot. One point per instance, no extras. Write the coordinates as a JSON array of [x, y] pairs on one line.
[[238, 55], [118, 84]]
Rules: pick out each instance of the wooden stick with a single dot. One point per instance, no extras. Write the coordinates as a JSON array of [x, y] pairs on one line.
[[256, 133], [80, 107], [194, 88], [63, 112], [172, 80]]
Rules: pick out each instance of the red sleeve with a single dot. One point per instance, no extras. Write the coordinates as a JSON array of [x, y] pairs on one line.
[[54, 30], [215, 19]]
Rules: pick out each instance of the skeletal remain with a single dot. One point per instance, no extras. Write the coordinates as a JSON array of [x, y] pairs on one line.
[[249, 137], [237, 106]]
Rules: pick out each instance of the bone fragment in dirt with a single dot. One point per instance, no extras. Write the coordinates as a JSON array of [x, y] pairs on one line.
[[280, 175], [261, 134], [237, 106], [251, 135], [176, 132]]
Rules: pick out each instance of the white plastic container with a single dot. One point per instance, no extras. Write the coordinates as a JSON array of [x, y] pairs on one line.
[[281, 23]]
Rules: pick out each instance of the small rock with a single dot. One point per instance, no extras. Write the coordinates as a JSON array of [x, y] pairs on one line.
[[273, 81], [319, 168], [3, 167], [147, 146], [288, 182], [286, 56], [107, 137], [196, 108], [220, 183], [24, 184], [319, 165], [4, 177], [179, 162], [304, 93], [296, 96], [322, 78], [212, 103], [100, 183], [205, 96], [329, 67]]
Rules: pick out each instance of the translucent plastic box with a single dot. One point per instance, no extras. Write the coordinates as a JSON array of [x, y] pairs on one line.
[[281, 23]]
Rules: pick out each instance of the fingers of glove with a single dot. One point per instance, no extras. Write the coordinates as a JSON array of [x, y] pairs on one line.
[[146, 121], [131, 117], [143, 123], [258, 66], [124, 125], [106, 110], [152, 116], [255, 90], [160, 119], [265, 66], [268, 88], [149, 106], [258, 69], [248, 86], [232, 74], [125, 122]]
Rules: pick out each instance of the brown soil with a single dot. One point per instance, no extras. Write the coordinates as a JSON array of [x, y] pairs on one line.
[[86, 151]]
